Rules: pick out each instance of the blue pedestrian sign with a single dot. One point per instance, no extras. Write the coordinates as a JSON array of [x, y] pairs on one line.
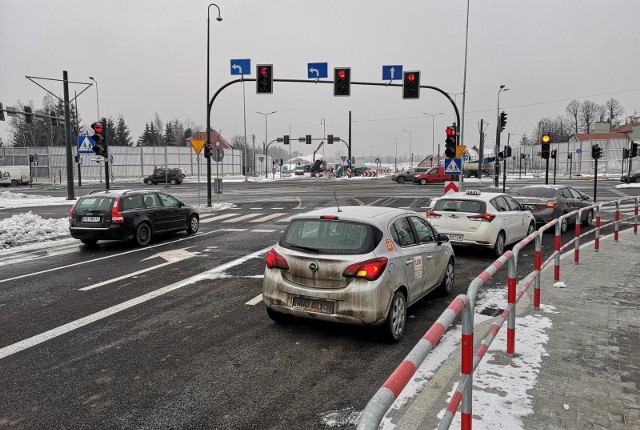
[[392, 73], [241, 67], [85, 145], [317, 70], [452, 166]]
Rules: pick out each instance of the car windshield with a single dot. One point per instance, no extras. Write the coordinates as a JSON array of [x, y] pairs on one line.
[[97, 203], [537, 192], [460, 205], [331, 236]]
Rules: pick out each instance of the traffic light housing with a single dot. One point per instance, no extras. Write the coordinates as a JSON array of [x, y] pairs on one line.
[[554, 153], [507, 151], [207, 150], [264, 79], [503, 121], [569, 156], [596, 152], [634, 149], [411, 85], [99, 139], [1, 112], [30, 158], [330, 139], [54, 119], [281, 162], [285, 139], [307, 139], [28, 114], [545, 149], [450, 143], [342, 81]]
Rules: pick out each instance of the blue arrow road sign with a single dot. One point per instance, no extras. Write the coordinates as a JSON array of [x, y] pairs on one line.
[[241, 67], [452, 166], [317, 70], [85, 145], [391, 73]]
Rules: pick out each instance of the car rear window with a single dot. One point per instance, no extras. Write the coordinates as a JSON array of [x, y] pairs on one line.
[[94, 204], [460, 205], [331, 236], [537, 192]]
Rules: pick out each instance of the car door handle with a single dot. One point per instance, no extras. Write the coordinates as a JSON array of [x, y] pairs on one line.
[[429, 257], [408, 262]]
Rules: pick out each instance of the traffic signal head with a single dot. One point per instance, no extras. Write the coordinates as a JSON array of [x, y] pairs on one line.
[[507, 151], [30, 158], [285, 139], [1, 112], [450, 143], [341, 81], [545, 138], [569, 156], [100, 142], [54, 119], [28, 114], [207, 150], [503, 120], [264, 79], [307, 139], [554, 153], [634, 149], [545, 149], [596, 152], [330, 139], [411, 85]]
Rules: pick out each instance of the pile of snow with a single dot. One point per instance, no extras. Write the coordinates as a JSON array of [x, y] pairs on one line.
[[29, 228]]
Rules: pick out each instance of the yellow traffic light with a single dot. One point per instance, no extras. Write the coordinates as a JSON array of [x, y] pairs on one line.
[[545, 138]]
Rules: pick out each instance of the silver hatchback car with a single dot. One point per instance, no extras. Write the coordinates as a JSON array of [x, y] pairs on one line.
[[356, 265]]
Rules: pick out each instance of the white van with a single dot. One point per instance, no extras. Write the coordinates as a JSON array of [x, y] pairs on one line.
[[14, 175]]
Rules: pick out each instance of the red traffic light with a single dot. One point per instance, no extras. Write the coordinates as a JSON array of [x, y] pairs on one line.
[[97, 127], [342, 74], [411, 77], [263, 71], [451, 131]]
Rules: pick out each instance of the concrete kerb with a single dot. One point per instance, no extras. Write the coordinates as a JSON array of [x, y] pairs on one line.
[[421, 412]]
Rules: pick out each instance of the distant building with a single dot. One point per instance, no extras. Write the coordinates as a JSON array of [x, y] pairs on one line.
[[213, 136]]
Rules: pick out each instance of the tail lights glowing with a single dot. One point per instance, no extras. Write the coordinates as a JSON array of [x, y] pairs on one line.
[[369, 270], [276, 261], [116, 215], [482, 217], [433, 214]]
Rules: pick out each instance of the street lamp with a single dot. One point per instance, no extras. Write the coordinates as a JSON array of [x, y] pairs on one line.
[[266, 138], [208, 143], [433, 137], [497, 150], [396, 159], [410, 154], [97, 97], [324, 128]]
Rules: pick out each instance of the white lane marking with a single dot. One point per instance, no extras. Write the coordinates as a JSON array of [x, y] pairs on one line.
[[170, 257], [242, 218], [109, 256], [216, 218], [373, 203], [268, 217], [404, 207], [285, 219], [236, 229], [73, 325], [299, 203], [257, 299], [277, 209], [257, 209], [262, 231]]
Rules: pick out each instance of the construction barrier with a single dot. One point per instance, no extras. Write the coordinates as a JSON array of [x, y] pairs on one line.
[[464, 304]]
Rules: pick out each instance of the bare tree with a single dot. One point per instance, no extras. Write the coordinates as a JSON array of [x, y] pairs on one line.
[[588, 115], [614, 110], [573, 109]]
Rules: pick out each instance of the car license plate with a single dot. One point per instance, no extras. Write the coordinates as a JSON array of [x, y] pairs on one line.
[[90, 219], [313, 305], [457, 237]]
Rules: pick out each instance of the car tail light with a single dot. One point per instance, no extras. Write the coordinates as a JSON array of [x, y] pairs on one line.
[[482, 217], [433, 214], [333, 217], [70, 216], [546, 205], [276, 261], [369, 270], [116, 215]]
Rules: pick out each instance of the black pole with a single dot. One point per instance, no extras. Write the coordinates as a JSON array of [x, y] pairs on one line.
[[349, 144], [555, 165], [629, 174], [67, 136], [481, 149], [106, 158], [546, 174], [570, 166], [595, 182], [520, 169], [504, 175]]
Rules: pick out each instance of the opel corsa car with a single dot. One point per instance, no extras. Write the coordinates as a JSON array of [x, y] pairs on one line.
[[489, 220], [356, 265], [129, 214]]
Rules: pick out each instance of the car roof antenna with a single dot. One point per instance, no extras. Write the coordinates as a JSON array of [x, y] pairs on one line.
[[336, 197]]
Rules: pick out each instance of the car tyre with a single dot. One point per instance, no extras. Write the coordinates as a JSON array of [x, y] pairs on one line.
[[173, 181], [423, 182], [498, 248], [396, 319], [143, 234], [564, 225], [531, 229], [14, 183], [279, 317], [589, 220], [446, 286], [193, 224], [149, 182], [401, 179]]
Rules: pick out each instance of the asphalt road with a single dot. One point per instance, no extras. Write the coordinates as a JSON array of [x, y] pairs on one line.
[[174, 335]]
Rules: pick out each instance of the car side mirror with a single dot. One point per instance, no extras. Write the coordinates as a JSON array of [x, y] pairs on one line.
[[180, 204], [442, 238], [586, 197]]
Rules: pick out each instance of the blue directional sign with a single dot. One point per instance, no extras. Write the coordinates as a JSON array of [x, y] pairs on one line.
[[578, 150], [241, 67], [452, 166], [85, 145], [317, 70], [392, 73]]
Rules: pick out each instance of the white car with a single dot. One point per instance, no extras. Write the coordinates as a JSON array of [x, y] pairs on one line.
[[489, 220]]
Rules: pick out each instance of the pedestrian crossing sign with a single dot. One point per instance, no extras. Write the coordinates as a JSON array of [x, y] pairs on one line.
[[85, 145], [452, 166]]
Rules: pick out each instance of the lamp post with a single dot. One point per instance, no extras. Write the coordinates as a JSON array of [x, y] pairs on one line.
[[433, 136], [497, 150], [324, 128], [208, 142], [97, 98], [396, 159], [410, 154], [266, 136]]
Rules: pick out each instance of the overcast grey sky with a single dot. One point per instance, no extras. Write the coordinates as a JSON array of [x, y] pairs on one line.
[[150, 56]]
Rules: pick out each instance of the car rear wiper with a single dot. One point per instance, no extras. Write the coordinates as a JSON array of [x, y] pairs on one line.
[[305, 248]]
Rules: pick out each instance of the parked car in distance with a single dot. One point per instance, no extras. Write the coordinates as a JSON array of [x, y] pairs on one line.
[[356, 265], [15, 175], [434, 174], [173, 176], [488, 220], [407, 175], [129, 215], [633, 178], [548, 202]]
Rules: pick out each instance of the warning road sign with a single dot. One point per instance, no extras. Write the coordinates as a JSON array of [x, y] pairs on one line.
[[85, 144], [452, 166]]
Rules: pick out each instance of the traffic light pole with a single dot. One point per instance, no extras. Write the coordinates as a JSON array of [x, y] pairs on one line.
[[67, 136], [546, 172], [555, 166], [595, 182], [106, 158]]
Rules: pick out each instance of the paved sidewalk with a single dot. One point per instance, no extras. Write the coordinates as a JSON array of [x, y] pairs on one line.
[[590, 376]]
